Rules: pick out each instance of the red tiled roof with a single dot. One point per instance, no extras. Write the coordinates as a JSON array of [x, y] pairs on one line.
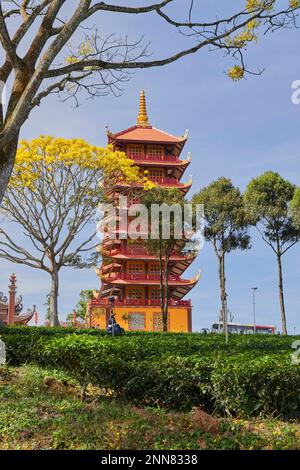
[[146, 134]]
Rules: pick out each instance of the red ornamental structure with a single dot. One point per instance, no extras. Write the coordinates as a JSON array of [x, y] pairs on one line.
[[129, 272], [11, 308]]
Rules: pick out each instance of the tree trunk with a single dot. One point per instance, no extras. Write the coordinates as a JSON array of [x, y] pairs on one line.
[[222, 281], [54, 321], [166, 310], [162, 287], [281, 294], [7, 160]]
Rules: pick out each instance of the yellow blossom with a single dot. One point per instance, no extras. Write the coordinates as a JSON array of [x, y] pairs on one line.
[[46, 154], [254, 5], [236, 73]]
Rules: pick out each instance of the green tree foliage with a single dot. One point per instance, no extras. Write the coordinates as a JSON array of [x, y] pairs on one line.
[[267, 199], [84, 297], [226, 224], [295, 208], [163, 247]]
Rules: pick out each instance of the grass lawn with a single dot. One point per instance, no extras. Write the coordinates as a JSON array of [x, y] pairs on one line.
[[42, 409]]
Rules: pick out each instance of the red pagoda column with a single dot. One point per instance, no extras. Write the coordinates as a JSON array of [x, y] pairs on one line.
[[12, 300]]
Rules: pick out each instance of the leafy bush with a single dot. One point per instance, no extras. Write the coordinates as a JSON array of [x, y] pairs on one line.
[[239, 384], [252, 375], [46, 331], [263, 385]]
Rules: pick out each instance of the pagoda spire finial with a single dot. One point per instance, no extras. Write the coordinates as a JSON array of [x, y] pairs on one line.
[[143, 119]]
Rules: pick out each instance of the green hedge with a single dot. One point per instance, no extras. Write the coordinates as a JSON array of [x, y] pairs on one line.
[[252, 375], [182, 344], [47, 331]]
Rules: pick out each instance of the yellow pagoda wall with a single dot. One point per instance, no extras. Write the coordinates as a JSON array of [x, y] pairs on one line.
[[178, 318]]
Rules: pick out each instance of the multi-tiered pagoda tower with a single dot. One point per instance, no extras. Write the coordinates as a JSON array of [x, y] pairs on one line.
[[129, 273]]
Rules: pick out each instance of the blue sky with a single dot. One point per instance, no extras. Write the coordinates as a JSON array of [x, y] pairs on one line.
[[237, 130]]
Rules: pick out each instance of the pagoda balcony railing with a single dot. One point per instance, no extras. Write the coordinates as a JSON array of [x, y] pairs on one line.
[[156, 158], [123, 231], [165, 181], [142, 302], [131, 202], [140, 277], [157, 180], [140, 251], [129, 251]]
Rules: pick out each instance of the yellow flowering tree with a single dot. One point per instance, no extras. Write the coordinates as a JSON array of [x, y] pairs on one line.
[[52, 198]]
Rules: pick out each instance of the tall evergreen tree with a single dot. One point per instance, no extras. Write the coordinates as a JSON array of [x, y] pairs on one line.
[[226, 225], [267, 199]]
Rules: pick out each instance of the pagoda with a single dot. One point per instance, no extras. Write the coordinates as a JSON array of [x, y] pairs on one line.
[[11, 308], [129, 273]]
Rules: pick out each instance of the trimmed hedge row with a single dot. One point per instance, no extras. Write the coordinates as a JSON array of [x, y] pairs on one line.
[[181, 343], [254, 375], [46, 331]]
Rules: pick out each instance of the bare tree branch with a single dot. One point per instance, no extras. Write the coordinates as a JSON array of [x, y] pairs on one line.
[[123, 9], [7, 43]]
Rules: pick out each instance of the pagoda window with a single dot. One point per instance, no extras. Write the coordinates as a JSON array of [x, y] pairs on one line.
[[135, 293], [154, 268], [135, 151], [156, 174], [155, 151], [136, 321], [136, 268], [170, 150], [155, 293]]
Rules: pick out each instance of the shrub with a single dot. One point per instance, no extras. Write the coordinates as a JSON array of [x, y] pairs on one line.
[[252, 375], [263, 385]]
